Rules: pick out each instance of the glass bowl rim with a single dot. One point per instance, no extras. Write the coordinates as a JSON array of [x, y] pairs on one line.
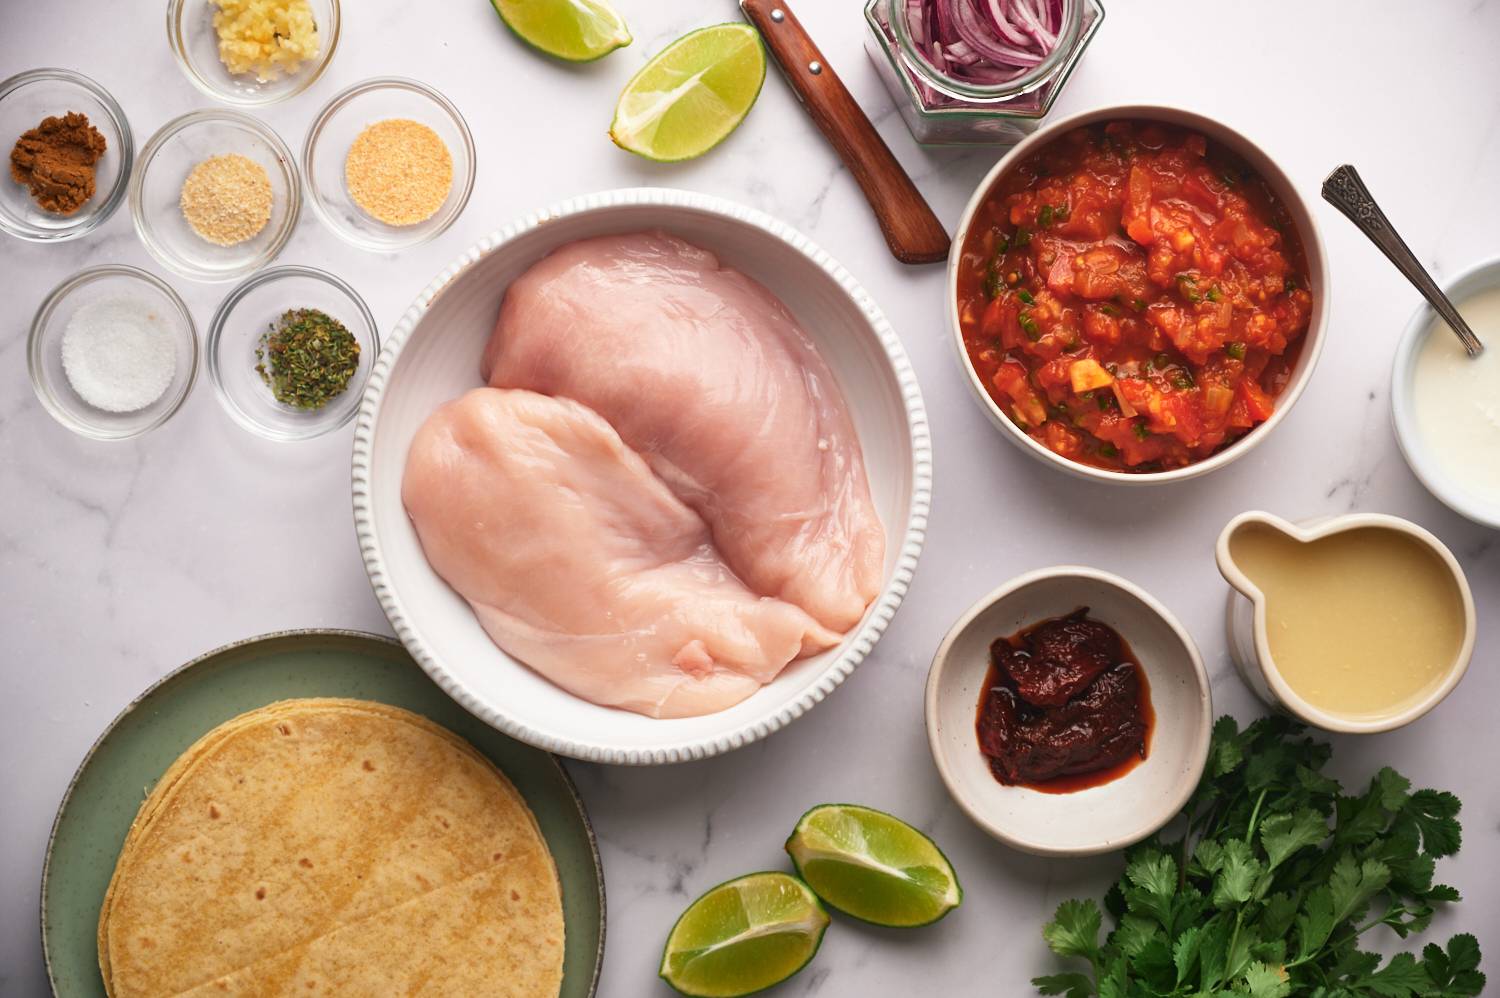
[[347, 96], [121, 123], [175, 9], [179, 265], [49, 305], [216, 326]]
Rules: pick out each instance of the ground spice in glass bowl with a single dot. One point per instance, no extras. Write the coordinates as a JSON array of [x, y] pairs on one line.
[[67, 152], [389, 163], [398, 171], [216, 195], [289, 350], [55, 161], [227, 199]]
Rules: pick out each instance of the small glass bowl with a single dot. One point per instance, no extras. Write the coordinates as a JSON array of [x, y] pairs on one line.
[[248, 314], [44, 351], [156, 192], [334, 131], [195, 43], [27, 98]]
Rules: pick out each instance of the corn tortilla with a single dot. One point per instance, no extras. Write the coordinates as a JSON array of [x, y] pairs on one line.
[[332, 847]]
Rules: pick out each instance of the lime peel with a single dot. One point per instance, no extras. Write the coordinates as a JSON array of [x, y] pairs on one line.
[[864, 863], [692, 94], [791, 910], [571, 30]]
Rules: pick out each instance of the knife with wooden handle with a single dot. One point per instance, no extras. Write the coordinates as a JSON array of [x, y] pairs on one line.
[[912, 231]]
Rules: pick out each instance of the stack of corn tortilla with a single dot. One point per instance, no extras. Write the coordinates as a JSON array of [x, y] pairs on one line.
[[332, 847]]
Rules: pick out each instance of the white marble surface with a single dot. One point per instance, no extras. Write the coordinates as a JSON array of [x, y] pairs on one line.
[[120, 561]]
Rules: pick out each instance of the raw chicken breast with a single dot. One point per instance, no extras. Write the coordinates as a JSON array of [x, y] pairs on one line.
[[706, 374], [579, 562]]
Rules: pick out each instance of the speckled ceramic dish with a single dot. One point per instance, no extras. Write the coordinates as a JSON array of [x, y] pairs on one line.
[[433, 355], [1101, 818], [154, 730]]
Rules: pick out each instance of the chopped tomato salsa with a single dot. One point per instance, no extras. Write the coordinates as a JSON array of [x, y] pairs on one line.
[[1133, 296]]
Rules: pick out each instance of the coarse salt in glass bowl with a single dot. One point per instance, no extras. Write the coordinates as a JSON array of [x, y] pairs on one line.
[[195, 43], [334, 131], [238, 330], [49, 376], [27, 98], [156, 193]]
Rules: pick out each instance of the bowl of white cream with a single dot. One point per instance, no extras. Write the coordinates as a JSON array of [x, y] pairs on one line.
[[1446, 405]]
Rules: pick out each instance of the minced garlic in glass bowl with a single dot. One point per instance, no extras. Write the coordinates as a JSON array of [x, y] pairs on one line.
[[265, 37]]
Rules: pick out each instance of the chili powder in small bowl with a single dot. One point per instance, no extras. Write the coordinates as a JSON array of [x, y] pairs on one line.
[[53, 101], [289, 351]]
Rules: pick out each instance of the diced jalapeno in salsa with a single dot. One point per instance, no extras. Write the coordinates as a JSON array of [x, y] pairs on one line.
[[1128, 306]]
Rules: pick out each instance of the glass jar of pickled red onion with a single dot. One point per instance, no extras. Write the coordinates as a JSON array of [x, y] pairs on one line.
[[977, 72]]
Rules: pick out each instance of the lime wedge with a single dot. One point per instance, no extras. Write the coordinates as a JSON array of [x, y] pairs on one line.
[[575, 30], [692, 94], [875, 867], [743, 936]]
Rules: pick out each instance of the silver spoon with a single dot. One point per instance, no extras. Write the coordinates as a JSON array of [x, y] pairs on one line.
[[1347, 192]]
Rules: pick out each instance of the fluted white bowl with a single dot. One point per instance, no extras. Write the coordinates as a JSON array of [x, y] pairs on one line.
[[433, 355]]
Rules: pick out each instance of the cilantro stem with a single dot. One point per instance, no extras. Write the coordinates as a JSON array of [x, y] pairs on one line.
[[1187, 836], [1255, 814], [1231, 972]]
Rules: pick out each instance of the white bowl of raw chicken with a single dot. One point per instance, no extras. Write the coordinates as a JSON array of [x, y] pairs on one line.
[[432, 356]]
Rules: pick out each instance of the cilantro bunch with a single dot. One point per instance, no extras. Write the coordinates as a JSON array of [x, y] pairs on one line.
[[1275, 879]]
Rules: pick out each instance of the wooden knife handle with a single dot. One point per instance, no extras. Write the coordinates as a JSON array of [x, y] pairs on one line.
[[912, 231]]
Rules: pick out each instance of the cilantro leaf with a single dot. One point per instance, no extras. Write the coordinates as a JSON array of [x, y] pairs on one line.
[[1185, 953], [1281, 835], [1074, 930], [1224, 751], [1071, 985], [1264, 981], [1435, 815], [1353, 884], [1400, 978], [1237, 875]]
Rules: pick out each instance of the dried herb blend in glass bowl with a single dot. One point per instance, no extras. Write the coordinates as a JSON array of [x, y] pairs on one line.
[[307, 358]]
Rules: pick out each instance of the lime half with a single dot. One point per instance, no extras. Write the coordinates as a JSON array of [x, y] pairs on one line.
[[875, 867], [575, 30], [743, 936], [692, 95]]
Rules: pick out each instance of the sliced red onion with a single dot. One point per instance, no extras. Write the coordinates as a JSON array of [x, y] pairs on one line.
[[960, 53], [1030, 16], [975, 29], [983, 41], [1003, 26]]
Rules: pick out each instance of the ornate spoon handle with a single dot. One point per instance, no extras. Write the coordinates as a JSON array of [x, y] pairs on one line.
[[1347, 192]]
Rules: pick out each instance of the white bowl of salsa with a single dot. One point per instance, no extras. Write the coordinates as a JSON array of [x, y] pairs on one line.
[[1149, 315]]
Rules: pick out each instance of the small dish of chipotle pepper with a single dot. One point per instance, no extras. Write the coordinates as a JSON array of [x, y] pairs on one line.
[[1069, 712]]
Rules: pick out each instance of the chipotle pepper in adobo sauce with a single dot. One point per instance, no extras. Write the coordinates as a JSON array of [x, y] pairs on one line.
[[1065, 706]]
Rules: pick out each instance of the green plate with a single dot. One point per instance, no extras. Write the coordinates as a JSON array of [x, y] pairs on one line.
[[148, 735]]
